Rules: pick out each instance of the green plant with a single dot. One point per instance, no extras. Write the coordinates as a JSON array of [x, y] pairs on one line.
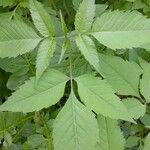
[[75, 74]]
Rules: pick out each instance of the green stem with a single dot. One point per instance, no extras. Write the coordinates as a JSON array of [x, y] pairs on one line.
[[16, 137], [70, 62], [13, 12], [48, 135]]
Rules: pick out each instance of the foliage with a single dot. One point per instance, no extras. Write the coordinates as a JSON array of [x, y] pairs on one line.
[[74, 74]]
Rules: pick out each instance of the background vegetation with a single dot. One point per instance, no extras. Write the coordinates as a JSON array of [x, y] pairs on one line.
[[74, 77]]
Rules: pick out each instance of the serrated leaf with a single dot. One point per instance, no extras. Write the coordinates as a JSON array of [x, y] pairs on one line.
[[122, 75], [16, 38], [13, 64], [100, 97], [135, 108], [145, 81], [147, 143], [45, 53], [29, 98], [75, 127], [41, 19], [111, 137], [121, 30], [85, 15], [88, 49]]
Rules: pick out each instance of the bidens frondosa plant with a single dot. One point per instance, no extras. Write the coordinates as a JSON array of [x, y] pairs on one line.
[[74, 81]]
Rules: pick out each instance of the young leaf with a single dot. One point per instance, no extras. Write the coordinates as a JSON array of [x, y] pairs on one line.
[[100, 97], [44, 55], [119, 29], [30, 98], [63, 50], [16, 38], [88, 49], [135, 108], [63, 24], [41, 19], [111, 137], [122, 75], [75, 127], [85, 15], [145, 81], [147, 143]]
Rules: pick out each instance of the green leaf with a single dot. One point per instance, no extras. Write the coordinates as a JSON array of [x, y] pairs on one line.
[[17, 79], [6, 3], [16, 38], [24, 3], [85, 15], [45, 53], [132, 141], [76, 3], [36, 140], [119, 29], [100, 8], [13, 64], [145, 81], [29, 98], [122, 75], [135, 108], [41, 19], [88, 49], [100, 97], [75, 127], [63, 24], [63, 50], [147, 143], [111, 137], [146, 120], [9, 120]]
